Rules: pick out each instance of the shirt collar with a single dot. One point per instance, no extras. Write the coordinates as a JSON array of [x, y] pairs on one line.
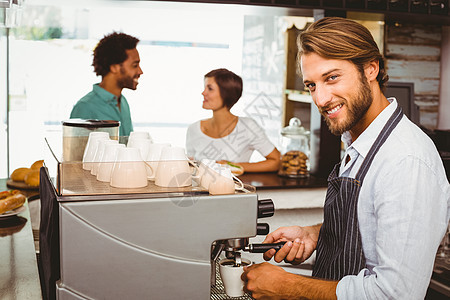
[[369, 135], [104, 94]]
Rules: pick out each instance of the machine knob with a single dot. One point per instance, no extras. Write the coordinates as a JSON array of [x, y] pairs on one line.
[[265, 208], [262, 229]]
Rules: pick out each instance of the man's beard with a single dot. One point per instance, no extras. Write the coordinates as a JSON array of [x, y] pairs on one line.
[[126, 82], [357, 108]]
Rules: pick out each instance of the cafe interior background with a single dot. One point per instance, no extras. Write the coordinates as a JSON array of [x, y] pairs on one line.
[[46, 56]]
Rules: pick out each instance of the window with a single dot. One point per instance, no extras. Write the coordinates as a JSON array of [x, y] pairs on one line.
[[51, 56]]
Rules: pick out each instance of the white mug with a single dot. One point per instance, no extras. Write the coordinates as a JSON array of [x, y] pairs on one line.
[[91, 147], [231, 276], [129, 169], [99, 154], [152, 159], [224, 182], [107, 162], [138, 135], [208, 172], [173, 168], [142, 144]]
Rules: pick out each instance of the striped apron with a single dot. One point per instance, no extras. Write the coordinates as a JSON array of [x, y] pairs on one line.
[[339, 248]]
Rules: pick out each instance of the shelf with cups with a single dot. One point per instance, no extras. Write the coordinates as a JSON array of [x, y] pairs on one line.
[[114, 168]]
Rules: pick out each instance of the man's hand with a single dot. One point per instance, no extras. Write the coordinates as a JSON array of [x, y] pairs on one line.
[[265, 281], [301, 243]]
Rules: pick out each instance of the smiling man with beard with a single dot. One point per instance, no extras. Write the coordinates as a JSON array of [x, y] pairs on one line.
[[388, 202], [117, 60]]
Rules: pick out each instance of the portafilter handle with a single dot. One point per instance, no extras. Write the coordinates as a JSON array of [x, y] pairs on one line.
[[262, 248]]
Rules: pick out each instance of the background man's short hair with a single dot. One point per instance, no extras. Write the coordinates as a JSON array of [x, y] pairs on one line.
[[111, 50]]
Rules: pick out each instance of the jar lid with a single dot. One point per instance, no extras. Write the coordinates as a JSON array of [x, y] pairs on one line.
[[90, 123], [295, 128]]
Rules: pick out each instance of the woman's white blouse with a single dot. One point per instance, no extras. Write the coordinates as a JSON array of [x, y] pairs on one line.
[[238, 146]]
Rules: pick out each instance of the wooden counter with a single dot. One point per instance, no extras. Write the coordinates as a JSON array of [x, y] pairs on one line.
[[19, 276]]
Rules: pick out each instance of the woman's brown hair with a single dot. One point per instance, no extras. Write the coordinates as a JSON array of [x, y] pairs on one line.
[[230, 85], [339, 38]]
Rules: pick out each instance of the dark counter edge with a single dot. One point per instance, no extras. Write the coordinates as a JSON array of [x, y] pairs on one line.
[[271, 180]]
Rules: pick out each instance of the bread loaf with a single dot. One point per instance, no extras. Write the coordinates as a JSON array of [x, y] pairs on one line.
[[19, 174], [32, 178], [37, 165], [11, 202]]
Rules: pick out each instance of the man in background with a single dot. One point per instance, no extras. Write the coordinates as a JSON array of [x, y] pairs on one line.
[[117, 60]]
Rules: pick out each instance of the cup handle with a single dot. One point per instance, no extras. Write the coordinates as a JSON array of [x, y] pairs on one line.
[[151, 168], [238, 186], [194, 165]]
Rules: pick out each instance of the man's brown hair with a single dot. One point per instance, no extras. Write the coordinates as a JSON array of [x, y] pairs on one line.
[[339, 38]]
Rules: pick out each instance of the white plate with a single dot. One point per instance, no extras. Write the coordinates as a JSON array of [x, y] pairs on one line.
[[13, 212]]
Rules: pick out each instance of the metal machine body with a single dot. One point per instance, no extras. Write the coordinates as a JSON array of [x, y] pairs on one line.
[[146, 243], [147, 248]]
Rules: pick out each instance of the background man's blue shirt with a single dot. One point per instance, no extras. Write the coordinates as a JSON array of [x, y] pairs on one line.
[[102, 105]]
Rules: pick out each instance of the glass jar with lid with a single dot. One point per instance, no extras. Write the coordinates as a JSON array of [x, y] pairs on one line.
[[295, 150]]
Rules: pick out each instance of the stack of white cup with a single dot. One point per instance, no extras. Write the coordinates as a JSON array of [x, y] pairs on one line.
[[218, 180], [141, 160]]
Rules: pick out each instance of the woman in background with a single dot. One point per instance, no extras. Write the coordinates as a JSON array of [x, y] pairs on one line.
[[225, 137]]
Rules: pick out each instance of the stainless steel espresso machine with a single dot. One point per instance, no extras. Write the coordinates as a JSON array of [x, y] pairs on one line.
[[147, 243]]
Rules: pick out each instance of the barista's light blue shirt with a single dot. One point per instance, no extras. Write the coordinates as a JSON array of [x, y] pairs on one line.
[[102, 105], [403, 211]]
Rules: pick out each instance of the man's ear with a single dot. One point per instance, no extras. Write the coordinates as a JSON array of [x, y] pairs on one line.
[[371, 70], [114, 69]]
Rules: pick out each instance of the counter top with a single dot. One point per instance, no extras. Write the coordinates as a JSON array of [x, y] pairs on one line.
[[19, 275], [271, 180]]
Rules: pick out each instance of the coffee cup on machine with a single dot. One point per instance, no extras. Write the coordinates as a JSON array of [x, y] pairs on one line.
[[99, 154], [173, 168], [203, 170], [107, 162], [153, 157], [138, 135], [129, 169], [142, 144], [91, 147], [231, 276], [218, 180], [224, 182]]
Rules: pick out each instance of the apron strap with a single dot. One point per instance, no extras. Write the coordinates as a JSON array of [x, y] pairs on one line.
[[387, 129]]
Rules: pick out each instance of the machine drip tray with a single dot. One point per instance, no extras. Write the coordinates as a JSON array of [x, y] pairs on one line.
[[218, 291]]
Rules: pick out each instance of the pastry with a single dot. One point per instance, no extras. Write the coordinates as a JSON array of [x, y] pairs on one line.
[[19, 174], [37, 165], [32, 178], [12, 202]]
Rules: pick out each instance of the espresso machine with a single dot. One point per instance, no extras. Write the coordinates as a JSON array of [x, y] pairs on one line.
[[146, 243]]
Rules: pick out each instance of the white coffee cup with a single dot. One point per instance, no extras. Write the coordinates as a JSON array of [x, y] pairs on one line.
[[138, 135], [107, 162], [204, 164], [208, 172], [142, 144], [231, 276], [129, 169], [91, 147], [153, 157], [99, 153], [173, 168], [224, 182]]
